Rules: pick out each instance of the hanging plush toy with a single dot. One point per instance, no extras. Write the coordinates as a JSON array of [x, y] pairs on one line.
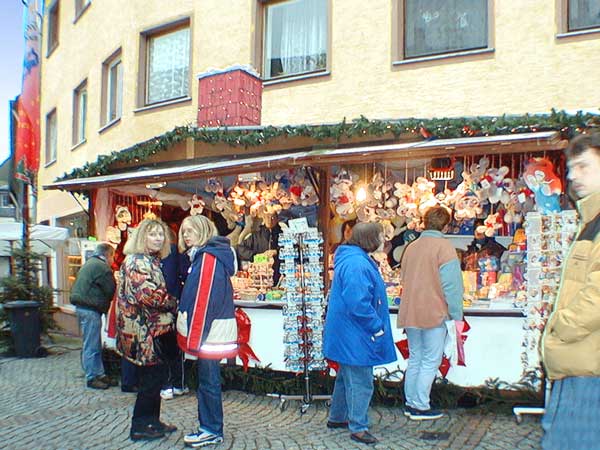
[[196, 205], [545, 184]]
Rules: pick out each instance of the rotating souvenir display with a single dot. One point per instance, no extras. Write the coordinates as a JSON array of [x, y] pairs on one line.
[[549, 237], [303, 312], [301, 253]]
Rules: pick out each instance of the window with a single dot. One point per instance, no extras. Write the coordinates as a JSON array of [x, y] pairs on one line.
[[112, 88], [436, 27], [80, 7], [53, 27], [295, 38], [167, 65], [583, 14], [79, 113], [51, 137]]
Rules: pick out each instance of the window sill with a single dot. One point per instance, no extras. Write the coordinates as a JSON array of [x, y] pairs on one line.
[[79, 144], [50, 163], [569, 34], [109, 125], [444, 56], [66, 308], [304, 76], [162, 104], [80, 13], [51, 50]]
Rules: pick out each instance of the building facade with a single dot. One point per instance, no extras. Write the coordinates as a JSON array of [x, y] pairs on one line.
[[118, 73]]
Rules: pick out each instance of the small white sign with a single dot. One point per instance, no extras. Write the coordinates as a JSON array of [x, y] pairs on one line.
[[248, 177], [299, 225]]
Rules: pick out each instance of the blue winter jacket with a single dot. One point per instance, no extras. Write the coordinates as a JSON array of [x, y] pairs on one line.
[[206, 326], [357, 311]]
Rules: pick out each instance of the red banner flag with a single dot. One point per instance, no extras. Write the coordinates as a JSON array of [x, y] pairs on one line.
[[27, 140]]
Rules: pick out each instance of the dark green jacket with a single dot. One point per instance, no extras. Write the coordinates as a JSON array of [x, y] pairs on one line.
[[94, 287]]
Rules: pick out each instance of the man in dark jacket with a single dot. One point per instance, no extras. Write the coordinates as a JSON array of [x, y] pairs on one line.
[[265, 238], [91, 294]]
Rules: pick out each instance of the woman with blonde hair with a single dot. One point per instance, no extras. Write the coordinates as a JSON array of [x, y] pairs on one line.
[[206, 326], [145, 323]]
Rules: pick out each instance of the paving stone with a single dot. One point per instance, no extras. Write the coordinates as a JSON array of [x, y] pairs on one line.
[[47, 397]]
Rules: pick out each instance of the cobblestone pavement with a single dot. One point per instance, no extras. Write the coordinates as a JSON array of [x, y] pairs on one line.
[[44, 405]]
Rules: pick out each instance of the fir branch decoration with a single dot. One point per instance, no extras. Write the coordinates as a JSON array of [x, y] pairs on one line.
[[444, 128]]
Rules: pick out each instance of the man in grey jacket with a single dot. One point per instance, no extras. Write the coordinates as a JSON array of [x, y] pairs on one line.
[[91, 294]]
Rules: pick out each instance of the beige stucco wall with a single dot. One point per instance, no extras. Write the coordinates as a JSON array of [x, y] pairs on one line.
[[529, 71]]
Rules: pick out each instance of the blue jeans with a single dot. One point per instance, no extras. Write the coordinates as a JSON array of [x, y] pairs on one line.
[[90, 323], [426, 346], [351, 397], [573, 414], [210, 404]]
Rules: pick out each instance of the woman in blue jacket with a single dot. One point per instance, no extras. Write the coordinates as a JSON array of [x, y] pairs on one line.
[[357, 330], [206, 326]]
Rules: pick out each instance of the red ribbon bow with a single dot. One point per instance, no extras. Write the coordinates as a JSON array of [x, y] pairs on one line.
[[245, 351]]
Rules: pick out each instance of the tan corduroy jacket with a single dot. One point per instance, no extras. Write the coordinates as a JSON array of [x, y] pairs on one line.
[[571, 341]]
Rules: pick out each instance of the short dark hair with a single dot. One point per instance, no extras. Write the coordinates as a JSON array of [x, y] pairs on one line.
[[583, 142], [104, 249], [348, 223], [436, 218], [366, 235]]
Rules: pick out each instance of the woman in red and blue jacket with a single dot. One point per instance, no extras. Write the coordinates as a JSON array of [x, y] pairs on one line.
[[206, 326]]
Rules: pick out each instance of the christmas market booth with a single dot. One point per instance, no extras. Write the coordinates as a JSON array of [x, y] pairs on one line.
[[284, 194]]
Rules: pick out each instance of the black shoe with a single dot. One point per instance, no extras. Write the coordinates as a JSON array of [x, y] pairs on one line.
[[125, 388], [331, 424], [364, 438], [428, 414], [108, 380], [146, 433], [164, 427], [97, 383]]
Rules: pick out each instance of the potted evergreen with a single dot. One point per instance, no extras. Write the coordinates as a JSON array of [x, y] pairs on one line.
[[24, 285]]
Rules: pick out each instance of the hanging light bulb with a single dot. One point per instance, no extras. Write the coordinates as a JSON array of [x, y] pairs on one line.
[[361, 194]]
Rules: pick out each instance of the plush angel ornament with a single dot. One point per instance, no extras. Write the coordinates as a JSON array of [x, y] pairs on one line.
[[545, 184]]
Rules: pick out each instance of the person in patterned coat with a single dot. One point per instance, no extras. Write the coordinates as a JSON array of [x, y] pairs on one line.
[[145, 323]]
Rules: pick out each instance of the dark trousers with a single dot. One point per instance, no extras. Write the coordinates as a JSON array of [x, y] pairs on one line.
[[210, 404], [175, 372], [129, 377], [147, 403]]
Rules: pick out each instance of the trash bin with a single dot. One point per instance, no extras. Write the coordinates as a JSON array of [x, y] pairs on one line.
[[24, 318]]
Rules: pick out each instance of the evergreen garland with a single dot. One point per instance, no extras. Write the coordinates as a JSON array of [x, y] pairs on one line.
[[444, 128]]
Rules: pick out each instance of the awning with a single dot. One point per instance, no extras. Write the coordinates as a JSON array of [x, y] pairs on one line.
[[42, 238], [512, 143]]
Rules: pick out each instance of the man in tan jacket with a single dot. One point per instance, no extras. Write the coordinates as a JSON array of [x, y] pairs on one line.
[[571, 341]]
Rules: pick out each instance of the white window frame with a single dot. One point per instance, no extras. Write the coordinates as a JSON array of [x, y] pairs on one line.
[[112, 90], [53, 27], [51, 137], [80, 8], [264, 39], [80, 100], [149, 37], [399, 44]]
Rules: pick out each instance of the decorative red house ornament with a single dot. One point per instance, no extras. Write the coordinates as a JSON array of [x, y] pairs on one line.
[[231, 97]]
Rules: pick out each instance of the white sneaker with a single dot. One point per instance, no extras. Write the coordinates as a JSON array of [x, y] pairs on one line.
[[180, 391], [201, 438], [166, 394]]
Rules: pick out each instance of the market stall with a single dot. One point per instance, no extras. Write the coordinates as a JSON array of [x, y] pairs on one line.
[[393, 184]]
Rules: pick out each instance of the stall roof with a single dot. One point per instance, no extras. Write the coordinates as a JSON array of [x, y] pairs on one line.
[[43, 237], [512, 143]]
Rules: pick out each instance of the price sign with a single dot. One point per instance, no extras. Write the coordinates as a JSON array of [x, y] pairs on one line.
[[298, 225]]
